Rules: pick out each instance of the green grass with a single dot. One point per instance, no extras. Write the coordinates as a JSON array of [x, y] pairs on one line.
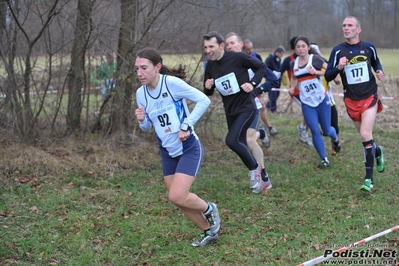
[[126, 219]]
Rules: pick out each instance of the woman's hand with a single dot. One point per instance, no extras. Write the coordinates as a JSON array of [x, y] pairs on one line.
[[183, 135], [140, 114]]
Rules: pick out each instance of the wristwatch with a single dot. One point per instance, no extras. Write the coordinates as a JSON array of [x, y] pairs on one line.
[[184, 127]]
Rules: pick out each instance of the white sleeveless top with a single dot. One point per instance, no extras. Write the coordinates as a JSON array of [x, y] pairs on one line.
[[166, 109], [311, 90]]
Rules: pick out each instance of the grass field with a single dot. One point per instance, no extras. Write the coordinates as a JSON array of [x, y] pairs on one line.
[[126, 219]]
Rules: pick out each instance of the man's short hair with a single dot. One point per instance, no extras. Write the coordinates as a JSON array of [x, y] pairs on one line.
[[357, 21], [230, 34], [247, 41], [217, 35], [280, 49]]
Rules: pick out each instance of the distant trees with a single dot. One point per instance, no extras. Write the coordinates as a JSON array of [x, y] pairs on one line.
[[54, 46]]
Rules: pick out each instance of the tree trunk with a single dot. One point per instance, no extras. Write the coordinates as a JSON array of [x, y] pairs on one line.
[[122, 99], [75, 74], [5, 105]]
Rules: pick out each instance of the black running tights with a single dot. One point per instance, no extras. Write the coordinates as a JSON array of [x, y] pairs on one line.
[[236, 138]]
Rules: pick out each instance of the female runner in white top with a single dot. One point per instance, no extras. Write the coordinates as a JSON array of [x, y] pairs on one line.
[[162, 106]]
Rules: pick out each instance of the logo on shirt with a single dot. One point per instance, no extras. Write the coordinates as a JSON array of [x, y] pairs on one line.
[[358, 59], [164, 95]]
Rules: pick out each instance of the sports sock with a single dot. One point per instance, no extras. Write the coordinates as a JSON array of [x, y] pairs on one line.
[[368, 158], [265, 176], [208, 232], [209, 209], [262, 134]]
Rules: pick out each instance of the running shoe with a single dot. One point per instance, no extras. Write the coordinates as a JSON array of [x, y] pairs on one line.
[[309, 142], [380, 161], [213, 218], [273, 131], [204, 240], [324, 163], [265, 140], [254, 177], [367, 185], [263, 186], [333, 152], [302, 133], [337, 146]]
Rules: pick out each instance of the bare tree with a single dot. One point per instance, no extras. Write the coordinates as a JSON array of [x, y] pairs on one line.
[[120, 100], [3, 27], [126, 50], [76, 70], [25, 119]]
